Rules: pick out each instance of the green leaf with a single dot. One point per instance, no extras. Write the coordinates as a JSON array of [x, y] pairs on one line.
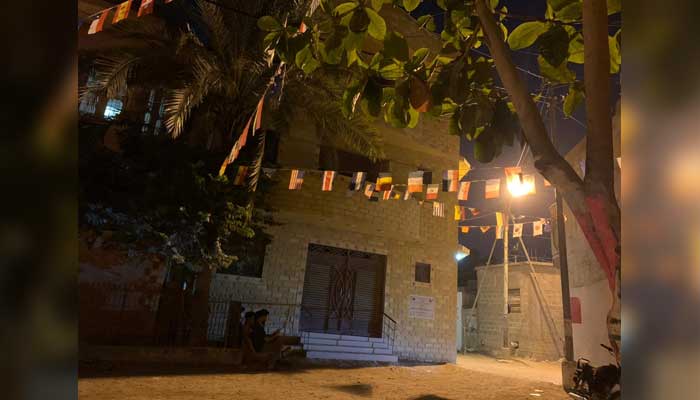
[[615, 57], [493, 4], [305, 60], [352, 57], [269, 24], [572, 100], [554, 45], [395, 46], [391, 71], [614, 6], [576, 49], [413, 117], [372, 98], [344, 8], [570, 13], [419, 56], [377, 26], [559, 4], [270, 40], [354, 41], [350, 97], [427, 22], [360, 20], [410, 5], [377, 4], [525, 34], [560, 74]]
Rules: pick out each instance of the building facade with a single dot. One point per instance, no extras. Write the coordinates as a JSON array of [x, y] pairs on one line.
[[535, 321], [323, 234]]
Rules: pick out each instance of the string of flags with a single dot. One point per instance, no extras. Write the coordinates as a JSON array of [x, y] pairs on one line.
[[121, 13]]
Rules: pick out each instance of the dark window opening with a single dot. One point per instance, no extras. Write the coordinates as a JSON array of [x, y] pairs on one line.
[[514, 301], [346, 163], [250, 261], [422, 272]]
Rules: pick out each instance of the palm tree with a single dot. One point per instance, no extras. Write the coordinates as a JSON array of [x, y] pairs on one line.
[[214, 77]]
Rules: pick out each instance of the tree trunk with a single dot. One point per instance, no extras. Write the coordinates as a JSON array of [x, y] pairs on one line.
[[200, 308], [592, 201]]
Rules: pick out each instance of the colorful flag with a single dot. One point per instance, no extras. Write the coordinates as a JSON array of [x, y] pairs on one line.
[[407, 195], [450, 180], [327, 184], [415, 182], [427, 177], [464, 168], [236, 148], [384, 181], [484, 229], [513, 173], [582, 165], [438, 209], [460, 213], [258, 115], [122, 11], [546, 182], [464, 229], [517, 230], [499, 219], [97, 24], [463, 193], [395, 194], [464, 250], [432, 192], [296, 179], [386, 195], [241, 175], [145, 8], [493, 188], [474, 211], [369, 189], [537, 227], [547, 226], [358, 180]]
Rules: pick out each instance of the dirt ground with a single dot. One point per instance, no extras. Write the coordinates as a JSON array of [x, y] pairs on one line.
[[303, 379]]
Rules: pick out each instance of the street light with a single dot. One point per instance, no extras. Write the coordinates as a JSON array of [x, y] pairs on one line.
[[517, 187]]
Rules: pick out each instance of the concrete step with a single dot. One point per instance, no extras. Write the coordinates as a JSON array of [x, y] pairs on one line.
[[318, 335], [323, 342], [342, 349], [381, 351], [327, 355]]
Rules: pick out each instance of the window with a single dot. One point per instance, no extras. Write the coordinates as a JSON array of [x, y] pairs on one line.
[[113, 108], [514, 301], [422, 272], [250, 261], [347, 163]]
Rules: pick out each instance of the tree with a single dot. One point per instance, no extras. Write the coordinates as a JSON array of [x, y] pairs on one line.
[[214, 77], [457, 84]]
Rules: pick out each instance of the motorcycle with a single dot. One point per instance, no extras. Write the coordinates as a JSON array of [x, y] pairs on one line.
[[596, 383]]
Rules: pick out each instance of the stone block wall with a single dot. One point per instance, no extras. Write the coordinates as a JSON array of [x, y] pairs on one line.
[[536, 336]]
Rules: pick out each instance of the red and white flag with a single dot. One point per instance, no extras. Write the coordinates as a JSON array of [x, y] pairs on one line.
[[463, 193], [537, 227], [296, 179], [145, 8], [241, 175], [493, 188], [438, 209], [327, 184], [432, 192], [98, 23]]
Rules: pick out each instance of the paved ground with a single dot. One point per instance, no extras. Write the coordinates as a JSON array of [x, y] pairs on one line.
[[473, 377]]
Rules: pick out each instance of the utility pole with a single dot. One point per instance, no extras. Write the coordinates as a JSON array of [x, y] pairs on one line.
[[563, 263], [506, 340]]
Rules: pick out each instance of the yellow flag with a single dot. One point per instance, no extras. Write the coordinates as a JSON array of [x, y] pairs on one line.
[[499, 219], [464, 168], [122, 11]]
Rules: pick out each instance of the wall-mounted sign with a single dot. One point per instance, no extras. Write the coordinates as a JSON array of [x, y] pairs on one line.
[[421, 307]]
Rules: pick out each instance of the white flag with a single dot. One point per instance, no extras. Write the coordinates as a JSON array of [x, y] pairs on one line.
[[517, 230], [537, 227]]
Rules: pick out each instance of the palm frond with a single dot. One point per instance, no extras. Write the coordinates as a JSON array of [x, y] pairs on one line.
[[219, 35], [320, 101], [256, 167], [112, 75]]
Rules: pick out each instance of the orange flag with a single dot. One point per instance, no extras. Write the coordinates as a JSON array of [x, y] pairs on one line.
[[98, 23], [146, 7], [485, 229], [465, 229], [122, 11]]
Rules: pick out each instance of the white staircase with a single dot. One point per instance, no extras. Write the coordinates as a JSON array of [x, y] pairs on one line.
[[343, 347]]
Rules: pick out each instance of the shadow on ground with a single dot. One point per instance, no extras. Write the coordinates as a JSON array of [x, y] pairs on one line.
[[359, 389]]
